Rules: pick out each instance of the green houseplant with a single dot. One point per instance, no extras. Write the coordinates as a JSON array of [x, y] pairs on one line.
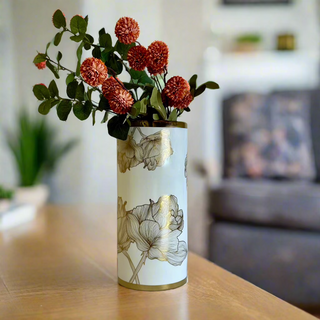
[[35, 149]]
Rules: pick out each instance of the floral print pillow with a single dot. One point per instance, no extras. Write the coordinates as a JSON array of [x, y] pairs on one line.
[[268, 136]]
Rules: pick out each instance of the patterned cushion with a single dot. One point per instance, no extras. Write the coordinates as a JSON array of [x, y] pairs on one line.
[[268, 136]]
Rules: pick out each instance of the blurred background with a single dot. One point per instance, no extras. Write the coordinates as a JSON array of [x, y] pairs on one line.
[[254, 201]]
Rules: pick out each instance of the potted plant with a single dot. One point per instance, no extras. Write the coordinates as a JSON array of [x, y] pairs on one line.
[[152, 144], [36, 152], [6, 196]]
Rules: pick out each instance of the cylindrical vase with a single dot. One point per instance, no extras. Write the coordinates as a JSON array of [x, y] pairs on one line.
[[152, 206]]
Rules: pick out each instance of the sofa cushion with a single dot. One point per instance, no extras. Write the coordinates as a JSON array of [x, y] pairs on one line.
[[269, 135], [283, 262], [267, 202]]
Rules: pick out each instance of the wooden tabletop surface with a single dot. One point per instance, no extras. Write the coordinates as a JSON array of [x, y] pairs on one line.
[[63, 266]]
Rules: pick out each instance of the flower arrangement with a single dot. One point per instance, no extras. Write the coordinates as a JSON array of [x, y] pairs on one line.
[[149, 95]]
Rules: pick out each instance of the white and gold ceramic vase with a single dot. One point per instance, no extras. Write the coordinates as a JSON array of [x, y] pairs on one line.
[[152, 206]]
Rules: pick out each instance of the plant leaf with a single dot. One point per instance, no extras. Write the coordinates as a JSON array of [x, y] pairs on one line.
[[82, 111], [45, 107], [141, 77], [70, 78], [96, 53], [57, 38], [53, 69], [199, 90], [59, 19], [105, 117], [135, 110], [123, 49], [41, 92], [211, 85], [103, 104], [80, 92], [40, 57], [173, 115], [72, 89], [105, 40], [78, 25], [118, 127], [79, 55], [143, 108], [77, 38], [54, 92], [156, 103], [94, 116], [59, 56], [63, 109]]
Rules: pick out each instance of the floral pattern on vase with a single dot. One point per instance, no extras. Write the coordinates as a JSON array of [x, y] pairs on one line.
[[155, 229], [152, 151]]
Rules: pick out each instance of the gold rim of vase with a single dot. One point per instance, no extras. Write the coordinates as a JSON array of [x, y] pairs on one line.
[[159, 123], [143, 287]]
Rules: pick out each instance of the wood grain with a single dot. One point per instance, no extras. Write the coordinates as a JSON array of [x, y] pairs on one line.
[[63, 266]]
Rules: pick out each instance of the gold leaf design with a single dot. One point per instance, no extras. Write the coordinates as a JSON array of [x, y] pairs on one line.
[[153, 150]]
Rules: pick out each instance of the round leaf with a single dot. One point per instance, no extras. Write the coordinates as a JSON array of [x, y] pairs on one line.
[[39, 58], [53, 89], [82, 112], [41, 92], [78, 25], [118, 127], [59, 19], [63, 109], [45, 107], [57, 38], [72, 89]]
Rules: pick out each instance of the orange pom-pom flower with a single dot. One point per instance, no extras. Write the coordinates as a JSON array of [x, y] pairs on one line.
[[41, 65], [127, 30], [137, 58], [120, 101], [158, 57], [184, 103], [93, 71], [176, 88], [109, 86]]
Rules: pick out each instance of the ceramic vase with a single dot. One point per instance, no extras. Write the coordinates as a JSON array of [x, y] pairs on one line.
[[152, 206]]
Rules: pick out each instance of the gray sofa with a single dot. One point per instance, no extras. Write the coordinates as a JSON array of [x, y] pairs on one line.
[[267, 231]]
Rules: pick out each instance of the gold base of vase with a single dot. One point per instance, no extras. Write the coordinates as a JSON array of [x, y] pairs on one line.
[[143, 287]]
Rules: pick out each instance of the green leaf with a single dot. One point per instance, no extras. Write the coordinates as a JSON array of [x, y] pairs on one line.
[[78, 25], [102, 31], [143, 108], [59, 56], [79, 55], [40, 57], [53, 69], [200, 90], [80, 92], [86, 18], [72, 89], [114, 62], [45, 107], [70, 78], [103, 104], [87, 46], [63, 109], [118, 127], [141, 77], [130, 86], [89, 38], [135, 110], [173, 115], [53, 89], [82, 111], [211, 85], [155, 117], [94, 116], [187, 109], [96, 53], [193, 84], [59, 19], [47, 47], [105, 117], [41, 92], [77, 38], [123, 49], [57, 38], [156, 103], [105, 40]]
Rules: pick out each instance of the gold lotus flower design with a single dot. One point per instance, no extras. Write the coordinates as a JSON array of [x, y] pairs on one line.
[[153, 150], [155, 228]]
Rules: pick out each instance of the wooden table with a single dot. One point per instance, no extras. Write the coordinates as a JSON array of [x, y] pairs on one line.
[[63, 266]]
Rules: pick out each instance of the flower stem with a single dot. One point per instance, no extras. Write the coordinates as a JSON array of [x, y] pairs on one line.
[[131, 265], [139, 266]]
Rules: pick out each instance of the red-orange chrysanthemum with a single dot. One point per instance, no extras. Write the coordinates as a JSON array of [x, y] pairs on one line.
[[41, 65], [120, 101], [127, 30], [176, 88], [137, 58], [184, 103], [93, 71], [158, 57], [110, 85]]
